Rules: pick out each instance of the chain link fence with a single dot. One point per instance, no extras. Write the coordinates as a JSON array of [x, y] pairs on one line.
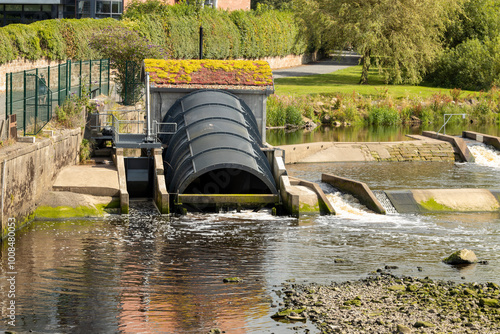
[[33, 95]]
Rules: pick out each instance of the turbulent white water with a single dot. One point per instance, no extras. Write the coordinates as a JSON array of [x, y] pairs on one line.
[[347, 205], [485, 156]]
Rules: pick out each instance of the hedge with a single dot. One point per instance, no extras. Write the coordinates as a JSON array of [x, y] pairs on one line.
[[239, 34]]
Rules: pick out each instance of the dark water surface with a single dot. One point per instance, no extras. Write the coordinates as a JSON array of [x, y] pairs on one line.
[[154, 275]]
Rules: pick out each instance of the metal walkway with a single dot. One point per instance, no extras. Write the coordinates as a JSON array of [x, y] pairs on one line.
[[129, 133]]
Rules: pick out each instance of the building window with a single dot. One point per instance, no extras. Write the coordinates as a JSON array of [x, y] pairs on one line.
[[10, 14], [100, 8]]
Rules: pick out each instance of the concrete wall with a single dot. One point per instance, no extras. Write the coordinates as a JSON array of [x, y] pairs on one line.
[[416, 150], [444, 200], [29, 170]]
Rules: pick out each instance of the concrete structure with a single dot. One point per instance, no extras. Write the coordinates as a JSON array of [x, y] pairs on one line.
[[488, 140], [358, 189], [29, 170], [461, 150], [421, 149], [444, 200]]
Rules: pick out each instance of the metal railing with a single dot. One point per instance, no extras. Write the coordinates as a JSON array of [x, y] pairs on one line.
[[126, 127], [33, 95]]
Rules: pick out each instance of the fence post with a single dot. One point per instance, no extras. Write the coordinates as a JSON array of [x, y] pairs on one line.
[[24, 105], [109, 74], [100, 76], [37, 86], [90, 76], [11, 103], [80, 85], [6, 95], [49, 106], [68, 78]]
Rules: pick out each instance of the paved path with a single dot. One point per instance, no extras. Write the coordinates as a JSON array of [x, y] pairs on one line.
[[319, 67]]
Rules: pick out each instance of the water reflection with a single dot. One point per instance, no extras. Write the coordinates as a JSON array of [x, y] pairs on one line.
[[369, 133], [151, 274]]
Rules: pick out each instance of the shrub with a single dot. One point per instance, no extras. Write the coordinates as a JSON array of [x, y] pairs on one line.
[[7, 51], [70, 113], [383, 116], [25, 39], [124, 46], [52, 42], [472, 65]]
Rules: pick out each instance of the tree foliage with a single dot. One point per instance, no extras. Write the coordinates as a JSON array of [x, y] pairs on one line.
[[124, 47], [478, 19], [401, 37]]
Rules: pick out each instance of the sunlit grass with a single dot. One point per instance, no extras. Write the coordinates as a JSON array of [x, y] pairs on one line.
[[346, 81]]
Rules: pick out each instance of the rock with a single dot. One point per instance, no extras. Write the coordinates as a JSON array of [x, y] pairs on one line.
[[397, 288], [215, 331], [402, 330], [391, 267], [415, 120], [232, 280], [425, 324], [463, 256], [489, 302]]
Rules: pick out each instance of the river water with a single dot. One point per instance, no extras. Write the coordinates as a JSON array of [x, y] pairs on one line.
[[153, 274]]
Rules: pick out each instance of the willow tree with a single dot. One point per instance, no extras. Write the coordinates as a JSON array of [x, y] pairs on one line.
[[401, 37]]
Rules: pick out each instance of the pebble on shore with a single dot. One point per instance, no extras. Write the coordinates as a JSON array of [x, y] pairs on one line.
[[384, 303]]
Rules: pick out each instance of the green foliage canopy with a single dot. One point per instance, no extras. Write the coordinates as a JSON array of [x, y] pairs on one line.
[[402, 36]]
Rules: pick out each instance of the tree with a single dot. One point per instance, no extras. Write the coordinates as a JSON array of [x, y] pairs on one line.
[[479, 19], [126, 50], [401, 37]]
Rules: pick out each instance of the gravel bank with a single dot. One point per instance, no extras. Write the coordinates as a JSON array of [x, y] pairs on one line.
[[384, 303]]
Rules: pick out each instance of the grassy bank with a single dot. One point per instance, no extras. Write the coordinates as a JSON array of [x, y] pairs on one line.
[[336, 98]]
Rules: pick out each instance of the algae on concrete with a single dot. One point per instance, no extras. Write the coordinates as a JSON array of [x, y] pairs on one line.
[[99, 210], [432, 205]]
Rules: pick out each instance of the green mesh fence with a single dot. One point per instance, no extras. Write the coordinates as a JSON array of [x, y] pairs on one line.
[[132, 89], [33, 95]]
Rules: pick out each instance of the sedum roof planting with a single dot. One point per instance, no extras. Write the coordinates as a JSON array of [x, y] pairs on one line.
[[209, 73]]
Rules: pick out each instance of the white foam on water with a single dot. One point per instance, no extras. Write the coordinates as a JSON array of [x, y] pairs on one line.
[[485, 156], [346, 205]]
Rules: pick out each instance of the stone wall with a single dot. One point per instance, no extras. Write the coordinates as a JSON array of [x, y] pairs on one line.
[[28, 170]]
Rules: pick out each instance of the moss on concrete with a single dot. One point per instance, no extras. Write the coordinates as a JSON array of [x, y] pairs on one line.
[[99, 210], [306, 208], [432, 205]]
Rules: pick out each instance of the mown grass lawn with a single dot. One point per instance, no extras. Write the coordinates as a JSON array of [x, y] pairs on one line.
[[346, 81]]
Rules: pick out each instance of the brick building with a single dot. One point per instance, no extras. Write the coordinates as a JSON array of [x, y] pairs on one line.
[[28, 11]]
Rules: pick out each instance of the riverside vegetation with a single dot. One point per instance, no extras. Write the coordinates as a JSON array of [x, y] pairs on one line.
[[385, 303], [337, 99]]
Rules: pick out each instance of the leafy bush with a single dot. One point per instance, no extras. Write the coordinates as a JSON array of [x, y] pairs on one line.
[[26, 41], [70, 113], [51, 38], [124, 46], [472, 65], [7, 51], [383, 116]]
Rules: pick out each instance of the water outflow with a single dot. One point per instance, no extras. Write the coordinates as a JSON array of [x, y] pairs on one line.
[[485, 155], [386, 203], [217, 147]]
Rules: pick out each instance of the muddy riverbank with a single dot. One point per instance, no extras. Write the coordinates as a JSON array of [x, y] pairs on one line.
[[385, 303]]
